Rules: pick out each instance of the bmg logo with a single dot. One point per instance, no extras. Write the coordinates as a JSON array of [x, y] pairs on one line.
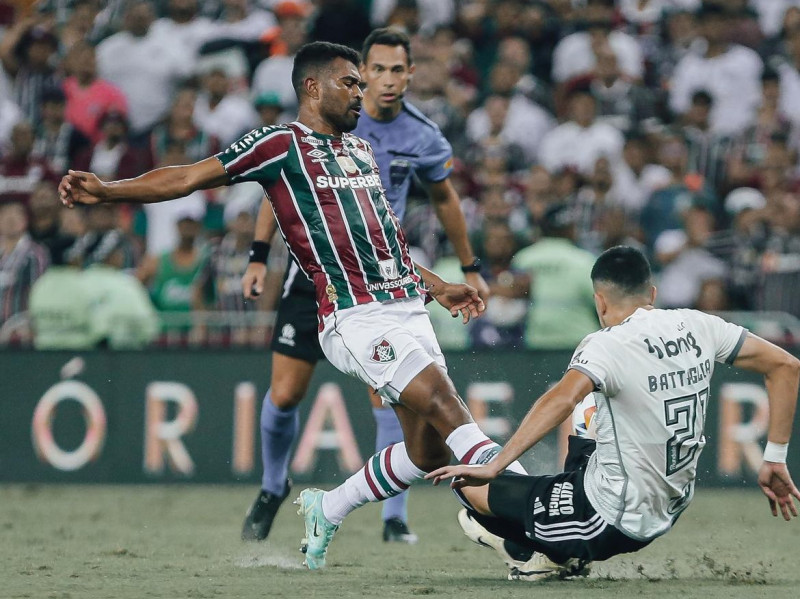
[[671, 348]]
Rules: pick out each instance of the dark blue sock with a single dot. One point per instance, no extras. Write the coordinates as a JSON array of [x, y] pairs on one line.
[[279, 429], [389, 432]]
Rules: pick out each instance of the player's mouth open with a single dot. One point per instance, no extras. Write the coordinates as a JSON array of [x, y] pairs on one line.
[[388, 97], [356, 109]]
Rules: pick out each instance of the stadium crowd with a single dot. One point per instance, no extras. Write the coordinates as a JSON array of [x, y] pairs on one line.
[[577, 125]]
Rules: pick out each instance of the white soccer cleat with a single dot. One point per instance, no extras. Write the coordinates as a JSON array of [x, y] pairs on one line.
[[478, 534]]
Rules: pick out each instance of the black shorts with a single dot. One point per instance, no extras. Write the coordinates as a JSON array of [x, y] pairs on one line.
[[296, 332], [552, 515]]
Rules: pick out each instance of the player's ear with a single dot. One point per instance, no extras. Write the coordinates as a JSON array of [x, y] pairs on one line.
[[411, 68], [653, 294], [311, 86], [600, 305]]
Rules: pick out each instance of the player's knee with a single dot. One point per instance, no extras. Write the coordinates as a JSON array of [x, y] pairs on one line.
[[431, 458], [286, 398]]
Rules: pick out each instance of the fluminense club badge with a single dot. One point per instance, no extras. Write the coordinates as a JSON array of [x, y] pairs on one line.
[[383, 352]]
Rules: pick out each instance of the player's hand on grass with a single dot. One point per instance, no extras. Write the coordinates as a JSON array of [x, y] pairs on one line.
[[459, 298], [776, 483], [77, 187], [253, 280], [467, 475]]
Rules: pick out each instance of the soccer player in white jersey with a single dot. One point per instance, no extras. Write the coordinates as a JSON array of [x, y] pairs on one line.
[[326, 194], [649, 372]]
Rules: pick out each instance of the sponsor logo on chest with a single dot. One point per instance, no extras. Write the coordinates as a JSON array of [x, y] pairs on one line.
[[330, 182]]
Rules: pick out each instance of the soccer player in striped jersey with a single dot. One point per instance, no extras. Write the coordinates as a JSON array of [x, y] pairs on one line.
[[405, 144], [649, 371], [325, 191]]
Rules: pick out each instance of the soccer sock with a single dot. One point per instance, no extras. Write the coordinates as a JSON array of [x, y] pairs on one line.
[[387, 473], [471, 446], [278, 431], [389, 432]]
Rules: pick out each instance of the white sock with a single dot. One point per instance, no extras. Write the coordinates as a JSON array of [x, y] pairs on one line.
[[471, 446], [385, 474]]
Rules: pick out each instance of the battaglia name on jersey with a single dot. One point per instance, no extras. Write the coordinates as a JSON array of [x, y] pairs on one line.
[[679, 378], [327, 182]]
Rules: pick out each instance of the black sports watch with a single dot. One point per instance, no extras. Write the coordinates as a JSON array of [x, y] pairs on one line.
[[474, 267]]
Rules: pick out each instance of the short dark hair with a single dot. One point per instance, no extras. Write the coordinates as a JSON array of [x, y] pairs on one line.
[[386, 36], [316, 55], [624, 267]]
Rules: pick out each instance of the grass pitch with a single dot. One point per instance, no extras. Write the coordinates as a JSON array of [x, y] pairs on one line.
[[80, 542]]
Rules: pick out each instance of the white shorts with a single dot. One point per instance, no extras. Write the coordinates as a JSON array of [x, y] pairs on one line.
[[384, 344]]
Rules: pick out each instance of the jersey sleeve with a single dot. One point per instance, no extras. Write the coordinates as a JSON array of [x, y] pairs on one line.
[[257, 156], [594, 357], [727, 338], [436, 162]]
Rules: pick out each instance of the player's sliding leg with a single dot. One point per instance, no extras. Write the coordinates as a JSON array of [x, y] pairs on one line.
[[279, 427], [395, 509]]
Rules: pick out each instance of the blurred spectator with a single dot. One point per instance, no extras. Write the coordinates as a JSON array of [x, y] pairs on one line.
[[147, 68], [104, 242], [665, 207], [172, 276], [431, 13], [183, 29], [274, 74], [179, 129], [57, 141], [541, 31], [10, 115], [601, 221], [21, 260], [747, 158], [341, 22], [780, 265], [20, 170], [428, 92], [112, 157], [89, 97], [269, 109], [788, 69], [648, 12], [540, 194], [242, 20], [678, 33], [27, 53], [689, 272], [79, 24], [220, 113], [561, 311], [730, 73], [636, 176], [620, 101], [503, 324], [707, 149], [745, 206], [45, 225], [161, 230], [582, 140], [575, 54]]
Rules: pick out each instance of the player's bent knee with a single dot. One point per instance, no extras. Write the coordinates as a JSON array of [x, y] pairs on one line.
[[286, 399]]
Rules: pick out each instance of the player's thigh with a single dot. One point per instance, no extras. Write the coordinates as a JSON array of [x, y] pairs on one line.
[[376, 400], [424, 445], [432, 395], [373, 343]]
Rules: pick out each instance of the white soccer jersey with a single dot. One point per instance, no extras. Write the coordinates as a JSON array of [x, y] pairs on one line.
[[652, 374]]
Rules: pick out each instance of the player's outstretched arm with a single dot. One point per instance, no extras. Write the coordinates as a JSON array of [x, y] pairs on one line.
[[159, 185], [550, 410], [456, 297], [781, 373]]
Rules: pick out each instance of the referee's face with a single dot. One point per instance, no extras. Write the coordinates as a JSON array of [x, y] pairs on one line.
[[386, 71]]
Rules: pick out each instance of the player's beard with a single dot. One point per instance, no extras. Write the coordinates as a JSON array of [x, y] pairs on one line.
[[346, 121]]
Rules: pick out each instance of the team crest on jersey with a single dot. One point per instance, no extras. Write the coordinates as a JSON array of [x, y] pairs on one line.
[[348, 164], [383, 352], [361, 155], [388, 270], [330, 290]]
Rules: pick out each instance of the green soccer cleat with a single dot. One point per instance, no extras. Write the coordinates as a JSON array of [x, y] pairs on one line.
[[319, 531]]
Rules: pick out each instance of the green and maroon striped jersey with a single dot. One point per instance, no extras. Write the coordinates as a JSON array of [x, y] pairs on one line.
[[331, 210]]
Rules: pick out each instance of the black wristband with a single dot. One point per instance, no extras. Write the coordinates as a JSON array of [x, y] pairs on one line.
[[474, 267], [259, 250]]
